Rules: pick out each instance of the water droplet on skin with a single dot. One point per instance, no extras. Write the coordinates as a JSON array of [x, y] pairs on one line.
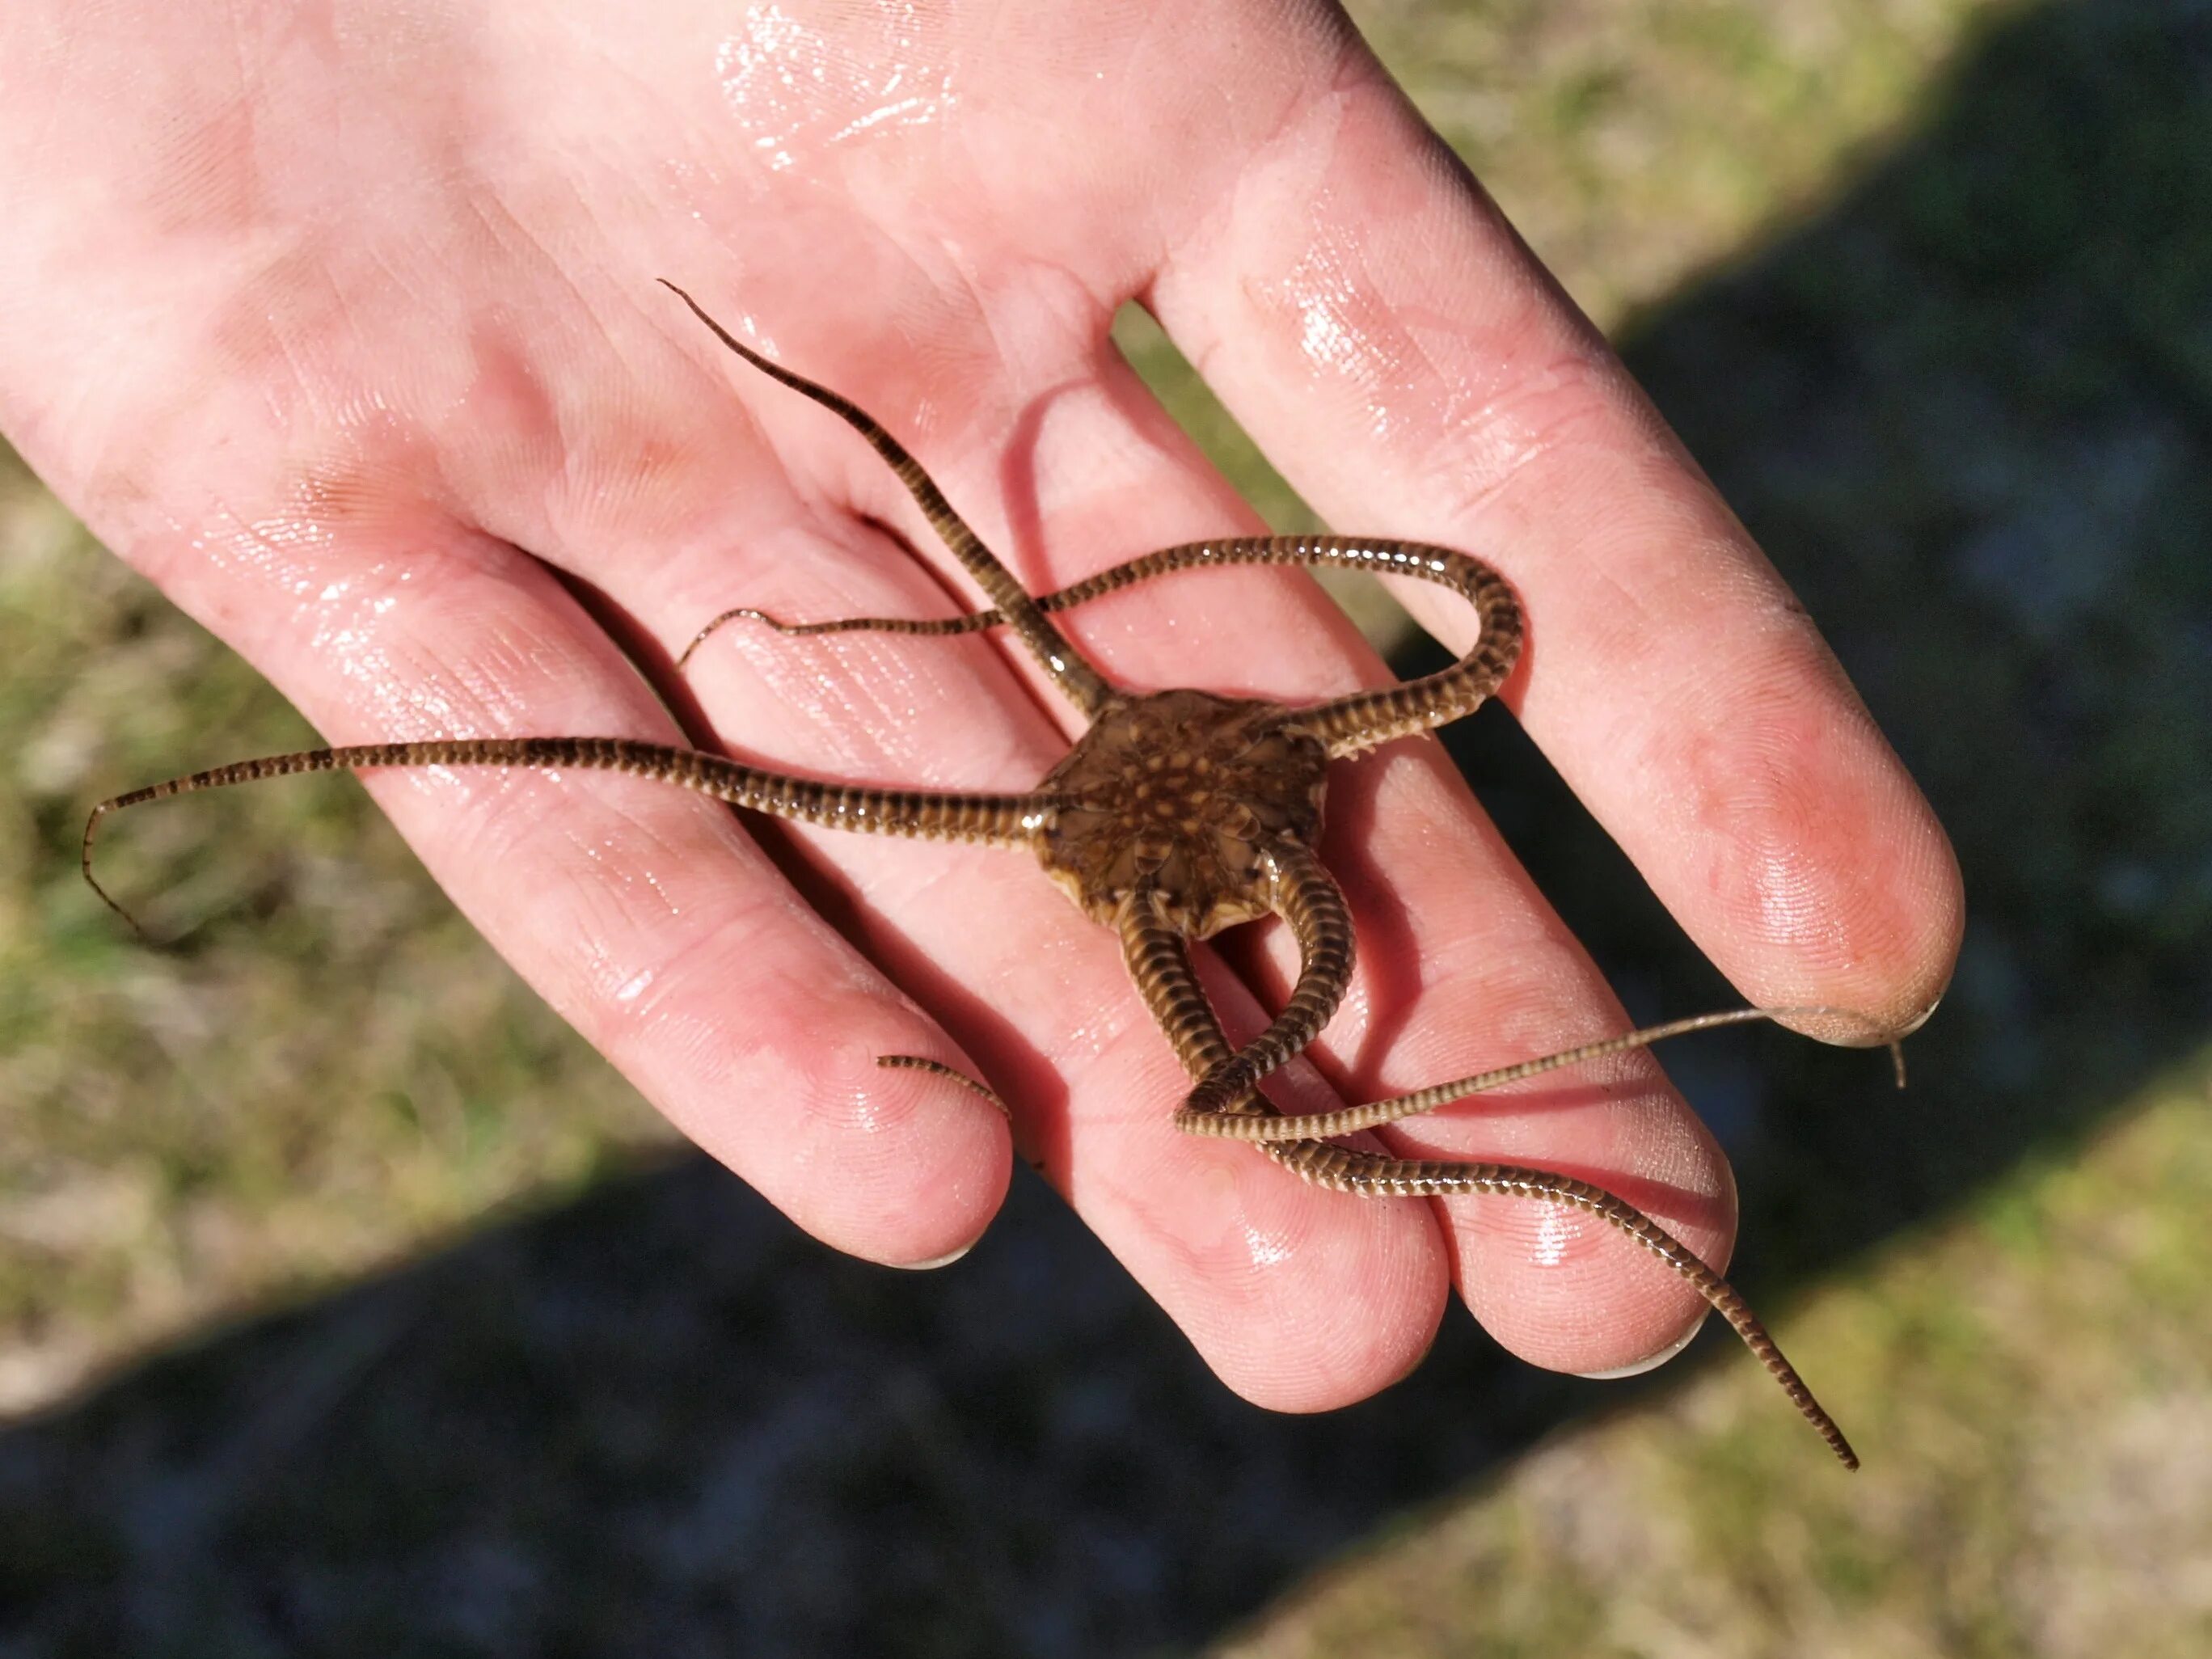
[[1266, 1250], [1554, 1235], [796, 89]]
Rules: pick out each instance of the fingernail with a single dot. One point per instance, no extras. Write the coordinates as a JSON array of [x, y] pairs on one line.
[[1922, 1017], [1651, 1362], [935, 1262]]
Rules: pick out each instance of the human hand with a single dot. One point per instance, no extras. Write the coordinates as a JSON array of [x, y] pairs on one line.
[[344, 331]]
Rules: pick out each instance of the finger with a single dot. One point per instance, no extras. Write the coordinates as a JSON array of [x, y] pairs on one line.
[[1360, 305], [649, 919]]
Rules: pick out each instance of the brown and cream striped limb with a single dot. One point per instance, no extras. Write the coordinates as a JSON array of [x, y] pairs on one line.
[[1310, 904], [1202, 1115], [998, 820], [1346, 725], [1082, 684], [1159, 962]]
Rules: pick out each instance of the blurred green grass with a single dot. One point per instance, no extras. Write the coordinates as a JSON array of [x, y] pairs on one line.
[[1925, 283]]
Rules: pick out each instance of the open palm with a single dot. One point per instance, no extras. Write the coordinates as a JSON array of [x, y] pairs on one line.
[[344, 329]]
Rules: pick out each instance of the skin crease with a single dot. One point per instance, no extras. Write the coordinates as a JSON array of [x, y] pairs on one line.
[[338, 321]]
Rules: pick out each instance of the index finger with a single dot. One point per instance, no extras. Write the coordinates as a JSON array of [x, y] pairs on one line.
[[1366, 311]]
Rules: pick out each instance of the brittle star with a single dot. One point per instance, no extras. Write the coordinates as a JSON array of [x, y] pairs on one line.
[[1177, 814]]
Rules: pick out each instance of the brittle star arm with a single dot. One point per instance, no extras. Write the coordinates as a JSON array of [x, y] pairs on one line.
[[997, 820], [1084, 685], [1346, 725], [1159, 962], [1307, 899], [1201, 1114]]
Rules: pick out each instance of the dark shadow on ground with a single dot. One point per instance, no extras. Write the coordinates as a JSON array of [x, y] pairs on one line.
[[1969, 411]]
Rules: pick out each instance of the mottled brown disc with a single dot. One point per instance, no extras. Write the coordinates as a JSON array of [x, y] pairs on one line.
[[1182, 792]]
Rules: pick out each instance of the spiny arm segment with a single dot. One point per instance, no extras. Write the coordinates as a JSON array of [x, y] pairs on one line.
[[1159, 962], [1348, 724], [1350, 1171], [1205, 1120], [1000, 820], [1082, 684], [1306, 899]]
